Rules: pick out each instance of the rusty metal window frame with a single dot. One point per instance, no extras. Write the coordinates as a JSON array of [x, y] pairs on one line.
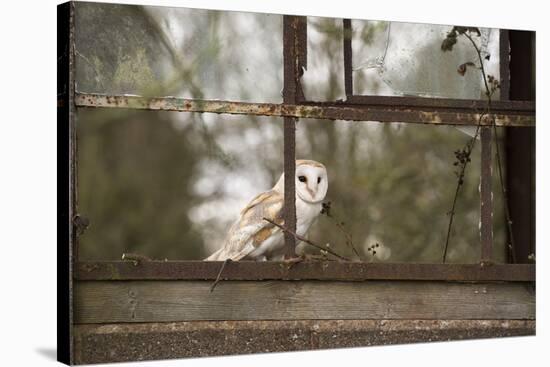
[[435, 111]]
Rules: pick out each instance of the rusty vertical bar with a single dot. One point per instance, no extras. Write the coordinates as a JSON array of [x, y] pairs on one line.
[[289, 212], [486, 196], [301, 55], [504, 68], [520, 149], [348, 76], [294, 57], [289, 96], [294, 63], [504, 51], [66, 180]]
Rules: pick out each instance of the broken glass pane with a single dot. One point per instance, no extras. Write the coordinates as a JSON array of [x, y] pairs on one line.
[[405, 59], [189, 53]]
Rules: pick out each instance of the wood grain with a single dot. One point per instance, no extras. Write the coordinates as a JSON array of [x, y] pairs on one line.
[[164, 301]]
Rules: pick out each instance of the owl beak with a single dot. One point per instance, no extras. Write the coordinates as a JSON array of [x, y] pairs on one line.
[[312, 193]]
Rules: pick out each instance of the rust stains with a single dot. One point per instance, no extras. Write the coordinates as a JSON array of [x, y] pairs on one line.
[[506, 113]]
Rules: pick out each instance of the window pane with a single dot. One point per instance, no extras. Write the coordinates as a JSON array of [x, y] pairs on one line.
[[162, 51], [168, 184], [396, 59], [405, 59], [393, 185], [324, 78]]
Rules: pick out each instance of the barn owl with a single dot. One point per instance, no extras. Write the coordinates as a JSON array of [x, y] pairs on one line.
[[253, 238]]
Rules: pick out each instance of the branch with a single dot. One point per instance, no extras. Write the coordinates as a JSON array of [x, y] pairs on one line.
[[218, 278], [305, 240]]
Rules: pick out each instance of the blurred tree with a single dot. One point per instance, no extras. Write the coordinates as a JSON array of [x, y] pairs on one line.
[[135, 194]]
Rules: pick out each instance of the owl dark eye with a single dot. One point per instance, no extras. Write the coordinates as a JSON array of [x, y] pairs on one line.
[[302, 178], [318, 179]]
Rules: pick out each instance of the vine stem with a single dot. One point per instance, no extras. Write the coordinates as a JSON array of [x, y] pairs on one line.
[[469, 147], [512, 247], [489, 94]]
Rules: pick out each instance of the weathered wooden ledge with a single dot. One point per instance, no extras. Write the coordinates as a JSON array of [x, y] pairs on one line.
[[183, 300]]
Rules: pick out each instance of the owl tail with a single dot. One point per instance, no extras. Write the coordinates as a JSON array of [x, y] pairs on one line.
[[222, 254], [216, 256]]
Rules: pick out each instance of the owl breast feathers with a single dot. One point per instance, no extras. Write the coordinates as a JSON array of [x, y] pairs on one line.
[[251, 237]]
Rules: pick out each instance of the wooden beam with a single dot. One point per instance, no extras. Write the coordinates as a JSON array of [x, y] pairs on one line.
[[165, 301]]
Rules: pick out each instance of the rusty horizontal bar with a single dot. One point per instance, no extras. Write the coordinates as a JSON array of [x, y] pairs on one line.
[[312, 270], [449, 104], [523, 116]]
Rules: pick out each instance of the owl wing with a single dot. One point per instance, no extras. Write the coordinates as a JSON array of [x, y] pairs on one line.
[[250, 230]]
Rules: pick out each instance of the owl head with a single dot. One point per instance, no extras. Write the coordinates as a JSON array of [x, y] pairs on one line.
[[311, 181]]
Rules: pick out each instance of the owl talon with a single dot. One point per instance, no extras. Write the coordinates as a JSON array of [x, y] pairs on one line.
[[290, 262]]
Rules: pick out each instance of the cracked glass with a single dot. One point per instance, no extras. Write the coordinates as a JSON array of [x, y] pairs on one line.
[[406, 59], [397, 59]]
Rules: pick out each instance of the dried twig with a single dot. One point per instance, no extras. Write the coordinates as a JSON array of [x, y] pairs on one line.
[[305, 240], [340, 225], [218, 278]]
